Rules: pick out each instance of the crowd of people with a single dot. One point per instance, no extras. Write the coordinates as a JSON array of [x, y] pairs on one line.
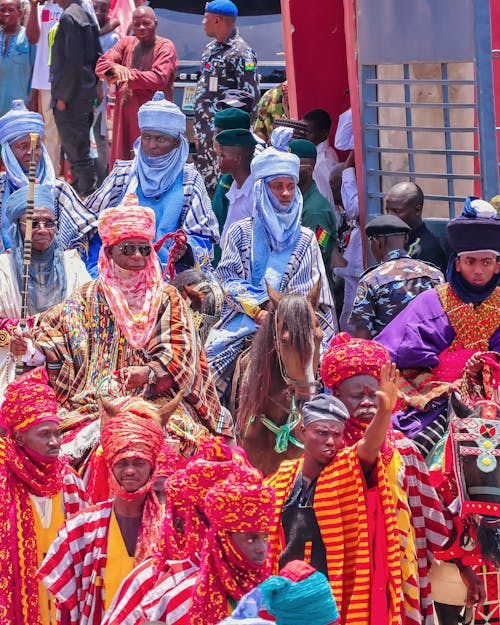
[[132, 286]]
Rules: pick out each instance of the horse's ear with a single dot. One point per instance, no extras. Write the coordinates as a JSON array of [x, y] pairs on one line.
[[314, 295], [274, 296], [196, 298], [459, 408], [168, 408]]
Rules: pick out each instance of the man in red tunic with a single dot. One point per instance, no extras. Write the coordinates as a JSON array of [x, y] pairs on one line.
[[140, 66]]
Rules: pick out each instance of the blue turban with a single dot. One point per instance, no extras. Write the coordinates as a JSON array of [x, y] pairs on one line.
[[15, 206], [281, 223], [222, 7], [308, 600], [19, 122], [277, 160], [157, 174], [162, 116]]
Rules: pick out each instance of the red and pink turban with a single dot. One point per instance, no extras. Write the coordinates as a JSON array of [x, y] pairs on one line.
[[348, 356], [29, 400], [242, 503], [126, 221]]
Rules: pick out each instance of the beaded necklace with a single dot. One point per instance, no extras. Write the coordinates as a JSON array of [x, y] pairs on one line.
[[473, 324]]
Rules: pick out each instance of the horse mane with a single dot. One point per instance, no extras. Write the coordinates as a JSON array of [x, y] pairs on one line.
[[296, 316]]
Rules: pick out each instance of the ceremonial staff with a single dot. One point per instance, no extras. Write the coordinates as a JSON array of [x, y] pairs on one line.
[[27, 248]]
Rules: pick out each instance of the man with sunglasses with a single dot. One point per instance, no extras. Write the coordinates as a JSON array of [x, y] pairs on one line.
[[163, 181], [383, 291], [126, 332], [53, 275]]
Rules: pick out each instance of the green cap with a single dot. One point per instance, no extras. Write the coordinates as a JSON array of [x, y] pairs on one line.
[[232, 118], [236, 136], [303, 148]]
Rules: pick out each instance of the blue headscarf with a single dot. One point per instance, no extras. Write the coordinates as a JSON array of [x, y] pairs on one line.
[[157, 174], [47, 277], [281, 223], [15, 124]]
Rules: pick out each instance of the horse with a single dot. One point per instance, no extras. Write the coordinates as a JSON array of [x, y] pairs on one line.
[[278, 371], [204, 297], [473, 454]]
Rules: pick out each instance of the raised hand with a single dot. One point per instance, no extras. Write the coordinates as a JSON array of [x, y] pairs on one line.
[[388, 388]]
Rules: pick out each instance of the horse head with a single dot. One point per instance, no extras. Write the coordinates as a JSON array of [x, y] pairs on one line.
[[298, 337], [475, 435]]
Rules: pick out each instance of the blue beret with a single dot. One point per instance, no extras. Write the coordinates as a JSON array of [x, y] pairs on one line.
[[15, 206], [222, 7], [276, 160], [19, 122], [161, 115]]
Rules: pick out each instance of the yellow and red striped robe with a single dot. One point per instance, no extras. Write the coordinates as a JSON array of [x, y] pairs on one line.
[[341, 512]]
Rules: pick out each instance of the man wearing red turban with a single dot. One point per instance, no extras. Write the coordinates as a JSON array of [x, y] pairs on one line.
[[37, 490], [97, 547], [146, 590], [127, 329], [351, 369]]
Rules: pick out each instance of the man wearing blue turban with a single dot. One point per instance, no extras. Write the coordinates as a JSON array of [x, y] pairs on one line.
[[162, 180], [53, 273], [271, 247], [74, 222]]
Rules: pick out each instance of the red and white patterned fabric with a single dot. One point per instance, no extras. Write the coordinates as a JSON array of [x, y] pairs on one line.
[[142, 588]]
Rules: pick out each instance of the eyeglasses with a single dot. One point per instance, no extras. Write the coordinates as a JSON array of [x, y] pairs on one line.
[[127, 249], [39, 224]]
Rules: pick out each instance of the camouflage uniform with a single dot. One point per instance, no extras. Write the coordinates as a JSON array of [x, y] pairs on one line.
[[270, 107], [383, 291], [231, 64]]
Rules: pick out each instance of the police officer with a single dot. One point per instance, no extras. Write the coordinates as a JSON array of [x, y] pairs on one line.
[[383, 291], [227, 62]]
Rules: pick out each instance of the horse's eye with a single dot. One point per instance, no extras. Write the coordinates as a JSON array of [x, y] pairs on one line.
[[285, 337]]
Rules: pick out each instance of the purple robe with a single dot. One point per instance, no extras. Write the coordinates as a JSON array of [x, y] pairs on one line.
[[414, 339]]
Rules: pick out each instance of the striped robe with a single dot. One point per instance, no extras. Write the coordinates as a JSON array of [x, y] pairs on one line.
[[145, 588], [197, 218], [170, 599], [83, 345], [76, 222], [305, 267], [341, 512], [73, 570]]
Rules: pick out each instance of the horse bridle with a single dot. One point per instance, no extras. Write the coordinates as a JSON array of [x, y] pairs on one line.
[[289, 381], [483, 432]]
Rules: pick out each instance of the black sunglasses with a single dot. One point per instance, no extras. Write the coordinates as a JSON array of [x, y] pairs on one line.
[[127, 249]]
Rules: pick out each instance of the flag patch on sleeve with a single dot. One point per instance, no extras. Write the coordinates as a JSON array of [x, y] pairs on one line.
[[322, 237]]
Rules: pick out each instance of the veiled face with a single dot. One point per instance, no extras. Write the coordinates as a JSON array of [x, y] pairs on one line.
[[283, 189], [22, 151], [129, 254], [43, 438], [478, 268], [132, 473], [253, 545], [155, 143]]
